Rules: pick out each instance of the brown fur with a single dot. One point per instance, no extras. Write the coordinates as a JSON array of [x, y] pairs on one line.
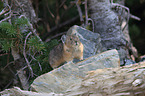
[[72, 48]]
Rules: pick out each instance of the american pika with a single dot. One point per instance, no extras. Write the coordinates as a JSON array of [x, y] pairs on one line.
[[66, 51]]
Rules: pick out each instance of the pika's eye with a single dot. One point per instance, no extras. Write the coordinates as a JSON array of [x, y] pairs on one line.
[[76, 42]]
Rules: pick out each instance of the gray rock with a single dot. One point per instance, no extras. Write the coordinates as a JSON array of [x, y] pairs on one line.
[[142, 58], [129, 62], [62, 78], [58, 80], [107, 59], [91, 41], [16, 91]]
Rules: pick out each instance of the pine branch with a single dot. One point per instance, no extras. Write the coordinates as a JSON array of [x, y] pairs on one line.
[[31, 27]]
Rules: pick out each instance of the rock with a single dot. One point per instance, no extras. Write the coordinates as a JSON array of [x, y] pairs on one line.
[[58, 80], [129, 62], [107, 59], [91, 41], [112, 82], [124, 81], [16, 91], [62, 78], [142, 58]]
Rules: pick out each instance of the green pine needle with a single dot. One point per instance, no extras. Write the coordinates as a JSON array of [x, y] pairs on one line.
[[21, 21], [6, 45], [8, 28], [36, 44]]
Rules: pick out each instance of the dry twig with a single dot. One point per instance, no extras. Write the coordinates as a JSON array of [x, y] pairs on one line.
[[86, 12], [134, 17], [47, 40], [24, 53], [93, 26], [128, 12], [37, 61], [61, 25], [80, 13], [5, 10], [126, 8]]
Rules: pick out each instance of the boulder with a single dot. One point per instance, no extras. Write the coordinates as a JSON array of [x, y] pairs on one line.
[[16, 91], [121, 81], [107, 59], [91, 41], [61, 79]]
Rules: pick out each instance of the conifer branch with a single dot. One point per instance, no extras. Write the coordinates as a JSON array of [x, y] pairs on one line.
[[38, 62], [31, 27]]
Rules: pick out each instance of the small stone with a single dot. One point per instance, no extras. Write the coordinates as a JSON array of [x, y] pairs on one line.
[[137, 82]]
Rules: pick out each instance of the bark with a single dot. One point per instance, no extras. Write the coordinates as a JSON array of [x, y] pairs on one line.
[[124, 81], [21, 7], [19, 63], [107, 25], [25, 7]]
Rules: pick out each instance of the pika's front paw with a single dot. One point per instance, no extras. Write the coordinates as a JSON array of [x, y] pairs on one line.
[[81, 58]]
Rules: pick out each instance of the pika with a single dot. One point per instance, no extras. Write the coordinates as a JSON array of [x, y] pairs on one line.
[[66, 51]]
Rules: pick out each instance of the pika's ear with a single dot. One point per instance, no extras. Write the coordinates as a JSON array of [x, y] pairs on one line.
[[63, 38]]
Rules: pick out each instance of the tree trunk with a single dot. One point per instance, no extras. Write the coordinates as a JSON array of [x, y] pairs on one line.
[[19, 63], [107, 25], [28, 10], [21, 7], [24, 7]]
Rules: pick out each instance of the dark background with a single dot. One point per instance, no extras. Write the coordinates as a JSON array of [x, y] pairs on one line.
[[137, 28]]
